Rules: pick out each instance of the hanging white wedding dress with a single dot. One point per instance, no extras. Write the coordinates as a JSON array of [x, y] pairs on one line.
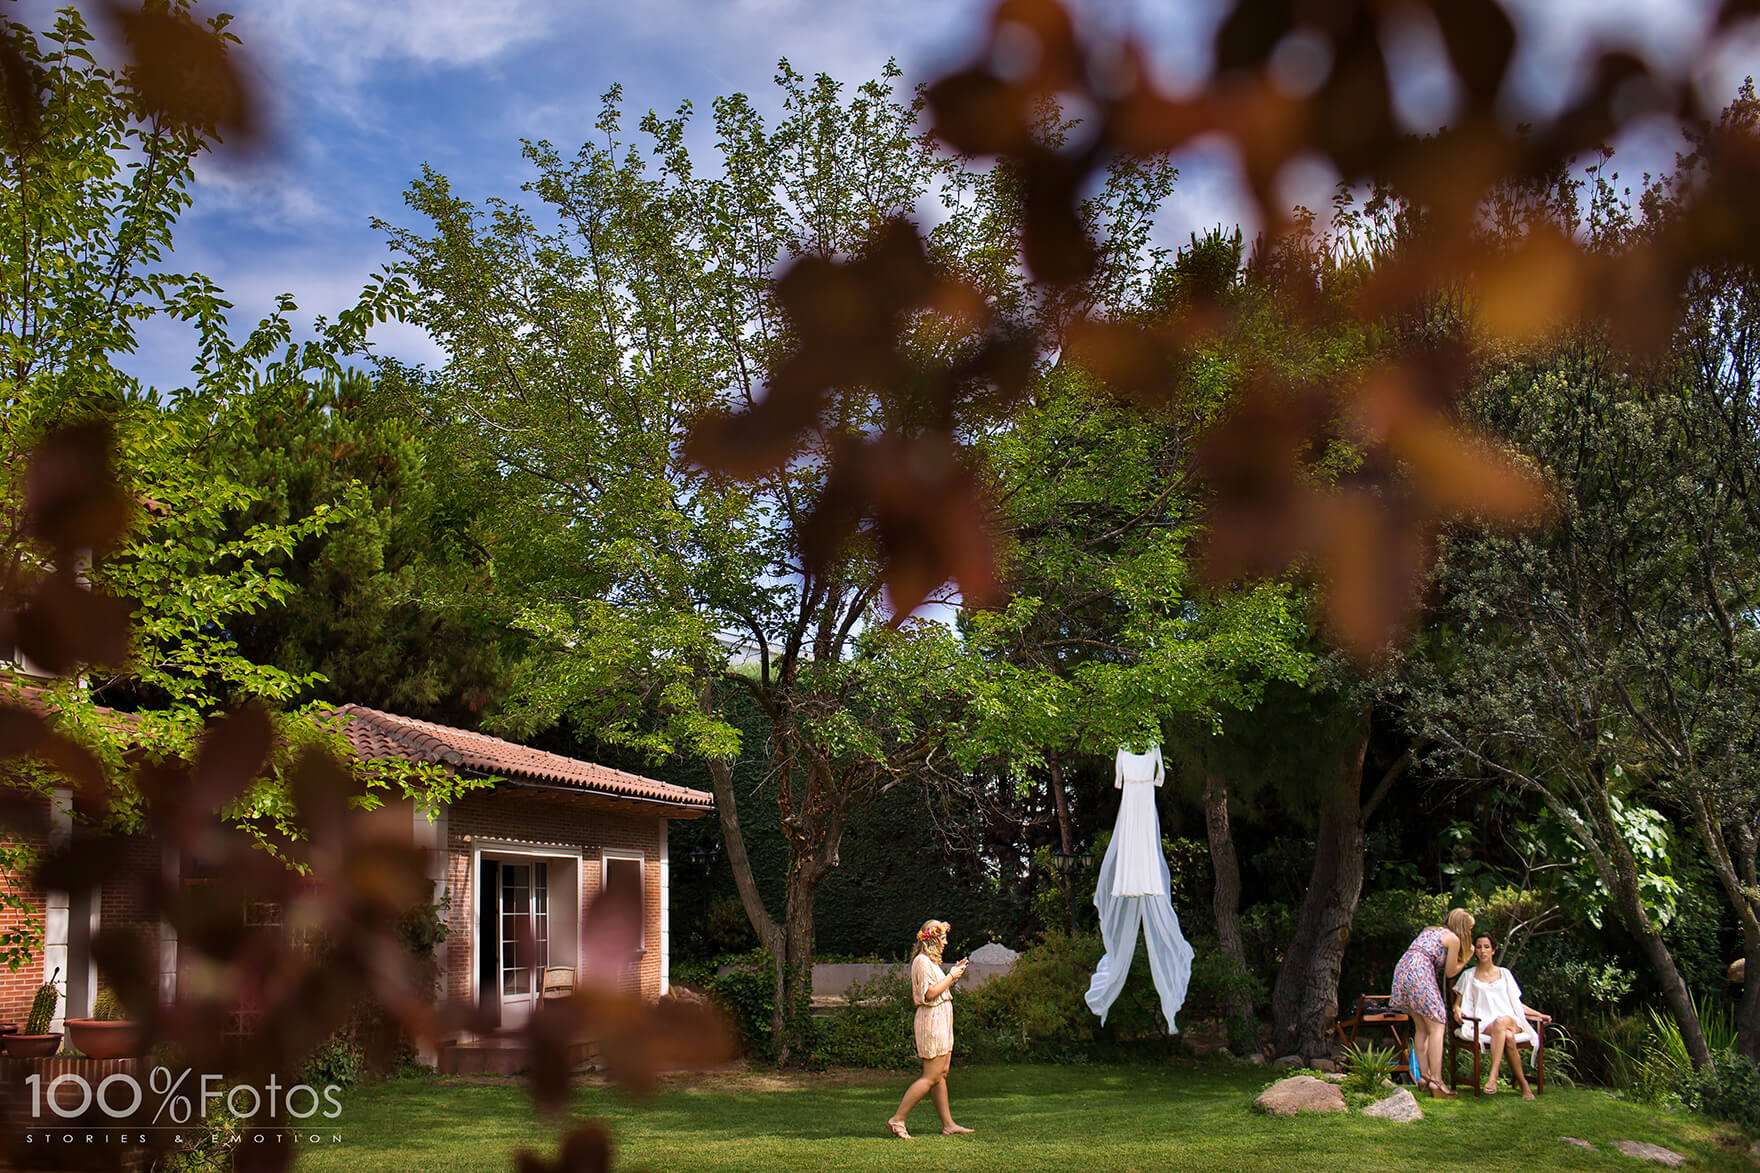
[[1137, 834], [1133, 890]]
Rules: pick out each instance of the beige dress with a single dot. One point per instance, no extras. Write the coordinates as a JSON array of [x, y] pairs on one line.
[[934, 1015]]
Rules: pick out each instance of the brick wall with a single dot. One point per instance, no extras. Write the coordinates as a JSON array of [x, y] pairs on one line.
[[566, 820], [17, 988]]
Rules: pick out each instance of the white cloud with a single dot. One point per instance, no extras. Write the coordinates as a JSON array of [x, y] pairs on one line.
[[348, 37]]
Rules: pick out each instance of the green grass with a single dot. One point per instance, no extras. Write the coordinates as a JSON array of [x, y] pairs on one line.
[[1097, 1119]]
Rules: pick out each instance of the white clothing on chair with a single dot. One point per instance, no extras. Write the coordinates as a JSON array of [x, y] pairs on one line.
[[1490, 1001]]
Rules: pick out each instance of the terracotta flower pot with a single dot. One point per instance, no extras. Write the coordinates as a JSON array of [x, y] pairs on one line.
[[105, 1039], [30, 1046]]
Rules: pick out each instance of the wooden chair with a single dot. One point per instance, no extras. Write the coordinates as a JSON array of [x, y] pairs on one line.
[[1455, 1041], [558, 981], [1374, 1012]]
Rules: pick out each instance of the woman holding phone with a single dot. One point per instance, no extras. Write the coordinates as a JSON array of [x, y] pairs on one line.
[[932, 990]]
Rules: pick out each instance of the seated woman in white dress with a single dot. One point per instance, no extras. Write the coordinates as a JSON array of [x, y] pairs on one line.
[[1491, 995]]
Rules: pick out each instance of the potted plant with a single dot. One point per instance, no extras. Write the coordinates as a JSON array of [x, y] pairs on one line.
[[106, 1034], [35, 1041]]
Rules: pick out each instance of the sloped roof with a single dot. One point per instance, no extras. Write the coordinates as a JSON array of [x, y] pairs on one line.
[[379, 735]]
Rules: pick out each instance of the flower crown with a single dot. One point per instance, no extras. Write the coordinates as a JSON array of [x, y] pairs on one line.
[[935, 928]]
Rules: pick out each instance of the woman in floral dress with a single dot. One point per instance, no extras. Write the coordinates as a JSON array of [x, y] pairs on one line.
[[1417, 992], [932, 990]]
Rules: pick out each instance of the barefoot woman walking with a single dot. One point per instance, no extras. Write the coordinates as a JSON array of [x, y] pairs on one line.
[[932, 990]]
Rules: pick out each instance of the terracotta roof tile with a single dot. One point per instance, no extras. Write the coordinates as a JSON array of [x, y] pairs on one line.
[[376, 734]]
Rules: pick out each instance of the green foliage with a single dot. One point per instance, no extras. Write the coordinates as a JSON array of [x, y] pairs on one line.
[[209, 1144], [1219, 982], [1727, 1088], [337, 1060], [23, 939], [87, 211], [1607, 665], [43, 1007], [1366, 1064], [1652, 1063], [874, 1027], [107, 1007], [744, 987], [1037, 1008], [386, 608]]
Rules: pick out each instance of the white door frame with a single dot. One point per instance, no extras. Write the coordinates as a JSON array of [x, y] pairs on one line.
[[498, 848]]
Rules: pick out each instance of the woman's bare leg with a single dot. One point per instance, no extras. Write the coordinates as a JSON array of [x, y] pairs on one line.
[[1433, 1050], [934, 1071], [1515, 1066], [939, 1095], [1499, 1036], [1427, 1067]]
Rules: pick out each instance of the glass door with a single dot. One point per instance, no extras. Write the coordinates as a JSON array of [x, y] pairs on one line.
[[525, 905]]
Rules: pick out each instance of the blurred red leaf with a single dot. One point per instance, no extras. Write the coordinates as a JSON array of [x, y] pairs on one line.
[[187, 72], [72, 500]]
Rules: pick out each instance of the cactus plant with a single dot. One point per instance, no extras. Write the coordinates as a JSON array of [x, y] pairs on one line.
[[107, 1007], [43, 1007]]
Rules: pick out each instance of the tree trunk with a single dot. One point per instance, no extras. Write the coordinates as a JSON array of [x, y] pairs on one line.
[[794, 967], [1623, 884], [1305, 998], [1060, 800], [1735, 871], [727, 814], [1225, 899], [1748, 1009]]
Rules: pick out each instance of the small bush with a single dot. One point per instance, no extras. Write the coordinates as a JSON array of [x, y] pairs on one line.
[[1366, 1065], [1219, 982], [1036, 1009], [874, 1027], [744, 987], [338, 1060], [1728, 1088]]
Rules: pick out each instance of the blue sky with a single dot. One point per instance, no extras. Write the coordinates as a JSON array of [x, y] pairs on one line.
[[367, 91]]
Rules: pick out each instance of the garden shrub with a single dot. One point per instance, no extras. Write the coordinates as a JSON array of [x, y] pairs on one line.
[[1038, 1009], [1217, 981], [873, 1027], [337, 1060], [743, 986], [1366, 1064], [1728, 1088]]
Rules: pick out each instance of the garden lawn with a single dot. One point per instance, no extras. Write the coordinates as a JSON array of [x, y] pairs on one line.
[[1092, 1118]]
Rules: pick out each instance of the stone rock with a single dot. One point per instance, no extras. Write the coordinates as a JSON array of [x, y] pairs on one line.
[[1388, 1083], [1224, 1053], [1325, 1065], [994, 954], [1334, 1077], [1645, 1151], [1401, 1107], [1256, 1059], [1579, 1142], [1287, 1061], [1300, 1093]]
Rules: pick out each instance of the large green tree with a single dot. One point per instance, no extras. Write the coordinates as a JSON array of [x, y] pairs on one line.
[[385, 608], [89, 199], [1612, 660], [580, 353]]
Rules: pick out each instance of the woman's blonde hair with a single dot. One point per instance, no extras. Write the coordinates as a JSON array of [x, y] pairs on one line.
[[931, 938], [1460, 923]]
